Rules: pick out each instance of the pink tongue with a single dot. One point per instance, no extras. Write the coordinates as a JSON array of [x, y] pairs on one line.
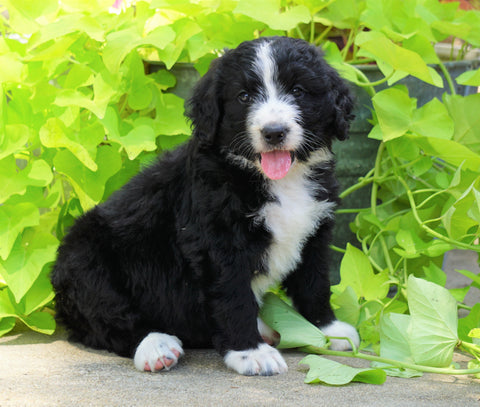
[[275, 164]]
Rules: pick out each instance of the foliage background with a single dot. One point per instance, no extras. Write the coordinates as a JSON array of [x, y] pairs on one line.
[[80, 114]]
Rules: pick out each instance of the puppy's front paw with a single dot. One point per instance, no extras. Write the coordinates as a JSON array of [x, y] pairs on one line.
[[157, 352], [341, 329], [263, 360]]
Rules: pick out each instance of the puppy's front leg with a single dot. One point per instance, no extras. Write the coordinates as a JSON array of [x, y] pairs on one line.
[[309, 288], [236, 335]]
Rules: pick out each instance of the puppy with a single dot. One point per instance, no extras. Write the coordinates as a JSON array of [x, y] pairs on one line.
[[184, 252]]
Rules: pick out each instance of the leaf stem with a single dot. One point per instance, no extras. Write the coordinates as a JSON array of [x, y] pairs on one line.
[[337, 249], [312, 31], [373, 204], [430, 231], [463, 306], [376, 83], [448, 78], [349, 43], [390, 362], [321, 37]]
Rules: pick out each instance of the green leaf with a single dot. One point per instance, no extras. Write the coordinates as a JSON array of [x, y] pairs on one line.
[[16, 138], [141, 138], [140, 98], [394, 109], [87, 5], [469, 78], [421, 45], [11, 69], [33, 9], [120, 43], [474, 277], [185, 29], [464, 112], [345, 305], [433, 120], [39, 295], [342, 14], [13, 219], [395, 344], [474, 364], [393, 337], [435, 274], [29, 255], [401, 59], [466, 324], [29, 309], [37, 173], [460, 215], [433, 327], [295, 331], [60, 29], [89, 185], [42, 322], [474, 333], [54, 134], [356, 271], [327, 371], [6, 325], [103, 93], [410, 242], [170, 119], [459, 293], [270, 13], [450, 151]]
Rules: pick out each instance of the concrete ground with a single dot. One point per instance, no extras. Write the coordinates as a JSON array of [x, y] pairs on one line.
[[38, 370]]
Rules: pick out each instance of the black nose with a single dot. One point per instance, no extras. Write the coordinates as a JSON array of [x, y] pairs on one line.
[[274, 134]]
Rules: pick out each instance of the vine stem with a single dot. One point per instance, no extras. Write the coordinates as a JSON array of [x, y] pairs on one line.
[[429, 230], [322, 36], [373, 203], [448, 78], [390, 362]]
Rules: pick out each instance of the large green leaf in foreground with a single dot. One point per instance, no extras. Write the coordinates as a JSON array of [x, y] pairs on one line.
[[433, 327], [295, 330], [327, 371]]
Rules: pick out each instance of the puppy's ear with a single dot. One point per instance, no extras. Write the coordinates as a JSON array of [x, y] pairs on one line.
[[343, 103], [203, 107]]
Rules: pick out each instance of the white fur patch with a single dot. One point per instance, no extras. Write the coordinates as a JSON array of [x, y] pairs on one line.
[[263, 361], [268, 334], [157, 347], [272, 107], [291, 218], [341, 329]]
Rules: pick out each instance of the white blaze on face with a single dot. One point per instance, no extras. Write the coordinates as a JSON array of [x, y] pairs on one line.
[[273, 107]]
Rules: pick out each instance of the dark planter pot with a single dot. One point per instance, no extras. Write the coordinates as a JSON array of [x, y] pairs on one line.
[[356, 156]]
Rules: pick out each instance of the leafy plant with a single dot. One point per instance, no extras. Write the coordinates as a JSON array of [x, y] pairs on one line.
[[423, 341], [81, 113]]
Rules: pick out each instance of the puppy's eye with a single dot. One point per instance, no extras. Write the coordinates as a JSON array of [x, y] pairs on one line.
[[244, 97], [298, 91]]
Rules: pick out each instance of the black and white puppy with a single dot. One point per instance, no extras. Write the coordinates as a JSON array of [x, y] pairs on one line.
[[184, 252]]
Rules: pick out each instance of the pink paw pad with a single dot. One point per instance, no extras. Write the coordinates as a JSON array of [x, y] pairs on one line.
[[162, 363], [158, 352]]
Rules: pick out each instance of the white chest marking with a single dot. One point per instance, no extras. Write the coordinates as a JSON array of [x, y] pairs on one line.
[[292, 218]]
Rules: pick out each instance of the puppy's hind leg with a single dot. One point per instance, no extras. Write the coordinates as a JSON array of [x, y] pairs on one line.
[[270, 336], [158, 351], [340, 329]]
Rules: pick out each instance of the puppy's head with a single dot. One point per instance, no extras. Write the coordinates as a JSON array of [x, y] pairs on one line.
[[271, 101]]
